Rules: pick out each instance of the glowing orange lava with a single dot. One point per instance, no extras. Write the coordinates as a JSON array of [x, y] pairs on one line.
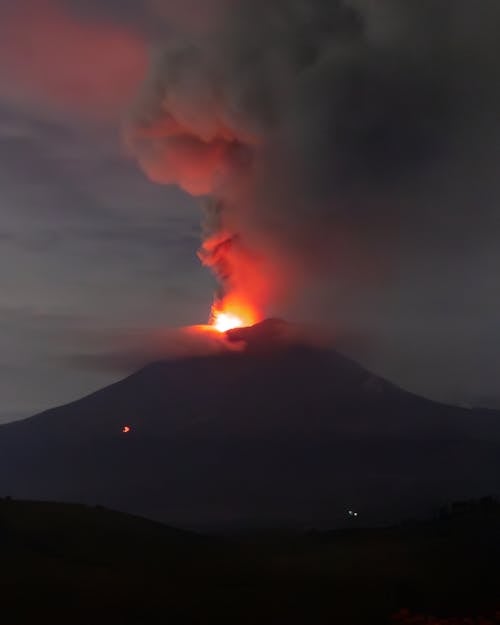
[[229, 315], [227, 321], [126, 429]]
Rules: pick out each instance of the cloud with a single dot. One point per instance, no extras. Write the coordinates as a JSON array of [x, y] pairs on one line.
[[336, 144], [55, 61]]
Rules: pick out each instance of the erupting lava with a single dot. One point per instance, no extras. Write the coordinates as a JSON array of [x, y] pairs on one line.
[[229, 316], [226, 321]]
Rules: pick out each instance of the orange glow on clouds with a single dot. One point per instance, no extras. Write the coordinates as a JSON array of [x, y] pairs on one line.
[[51, 59]]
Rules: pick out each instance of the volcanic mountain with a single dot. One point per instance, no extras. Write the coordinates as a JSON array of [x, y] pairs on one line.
[[280, 432]]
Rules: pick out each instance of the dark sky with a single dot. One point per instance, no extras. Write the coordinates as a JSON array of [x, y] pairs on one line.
[[94, 257], [90, 250]]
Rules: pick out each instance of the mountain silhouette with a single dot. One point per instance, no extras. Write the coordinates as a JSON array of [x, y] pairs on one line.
[[279, 432]]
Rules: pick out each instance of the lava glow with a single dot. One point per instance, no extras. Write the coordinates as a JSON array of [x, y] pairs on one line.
[[126, 429], [230, 315], [227, 321]]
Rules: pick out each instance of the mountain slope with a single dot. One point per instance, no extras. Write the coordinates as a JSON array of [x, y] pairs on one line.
[[278, 433]]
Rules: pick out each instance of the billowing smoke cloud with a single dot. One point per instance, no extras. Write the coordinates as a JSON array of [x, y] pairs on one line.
[[332, 138]]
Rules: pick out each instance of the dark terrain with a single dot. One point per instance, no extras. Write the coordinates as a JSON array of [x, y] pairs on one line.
[[74, 565], [280, 434]]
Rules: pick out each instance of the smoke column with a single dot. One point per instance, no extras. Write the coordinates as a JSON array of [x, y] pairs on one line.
[[325, 138]]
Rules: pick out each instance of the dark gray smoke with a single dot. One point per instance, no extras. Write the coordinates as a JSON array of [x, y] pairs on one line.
[[352, 145]]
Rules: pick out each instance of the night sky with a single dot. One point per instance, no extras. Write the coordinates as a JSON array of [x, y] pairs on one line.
[[95, 257]]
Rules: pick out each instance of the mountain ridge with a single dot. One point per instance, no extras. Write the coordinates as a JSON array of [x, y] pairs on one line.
[[282, 432]]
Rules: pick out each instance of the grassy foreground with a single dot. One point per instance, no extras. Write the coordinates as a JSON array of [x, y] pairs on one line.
[[72, 565]]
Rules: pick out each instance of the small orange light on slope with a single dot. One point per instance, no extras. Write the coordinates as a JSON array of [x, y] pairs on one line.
[[126, 429]]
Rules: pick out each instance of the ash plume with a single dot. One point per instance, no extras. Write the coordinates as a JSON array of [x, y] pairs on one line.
[[329, 140]]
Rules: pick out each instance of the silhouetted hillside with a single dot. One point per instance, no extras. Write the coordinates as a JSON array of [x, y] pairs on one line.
[[73, 564], [280, 433]]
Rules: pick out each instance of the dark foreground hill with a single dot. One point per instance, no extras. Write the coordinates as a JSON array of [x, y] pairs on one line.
[[69, 564], [280, 433]]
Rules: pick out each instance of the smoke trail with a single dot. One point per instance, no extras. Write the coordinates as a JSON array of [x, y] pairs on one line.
[[314, 128]]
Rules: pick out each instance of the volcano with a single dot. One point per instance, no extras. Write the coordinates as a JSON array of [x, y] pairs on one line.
[[279, 432]]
